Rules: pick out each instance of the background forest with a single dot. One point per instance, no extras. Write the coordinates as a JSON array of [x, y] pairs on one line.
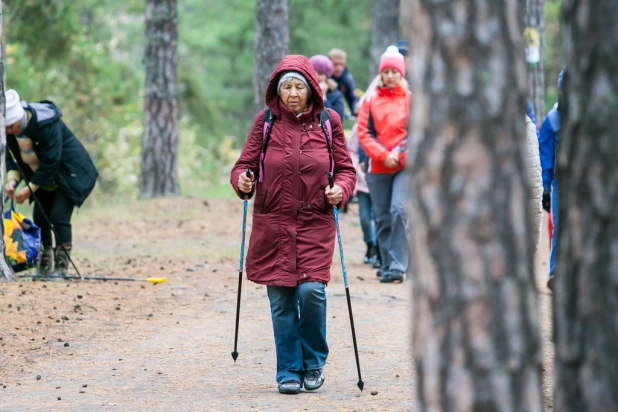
[[87, 57]]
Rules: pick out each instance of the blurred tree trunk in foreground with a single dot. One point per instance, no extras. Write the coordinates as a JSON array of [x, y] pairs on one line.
[[159, 174], [476, 338], [384, 31], [272, 43], [586, 285], [5, 271], [534, 38]]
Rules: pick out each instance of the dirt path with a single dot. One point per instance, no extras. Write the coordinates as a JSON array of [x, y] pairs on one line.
[[135, 346]]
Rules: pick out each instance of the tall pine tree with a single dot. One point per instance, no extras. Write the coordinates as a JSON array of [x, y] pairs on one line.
[[159, 170], [476, 339]]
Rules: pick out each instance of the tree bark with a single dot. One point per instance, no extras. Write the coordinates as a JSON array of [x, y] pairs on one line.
[[586, 285], [5, 270], [272, 43], [159, 175], [384, 31], [476, 340], [534, 38]]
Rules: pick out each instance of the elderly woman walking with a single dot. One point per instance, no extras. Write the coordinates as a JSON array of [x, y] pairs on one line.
[[383, 132], [292, 241]]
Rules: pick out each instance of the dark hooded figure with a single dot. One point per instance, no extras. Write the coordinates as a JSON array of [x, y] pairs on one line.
[[58, 168], [293, 235]]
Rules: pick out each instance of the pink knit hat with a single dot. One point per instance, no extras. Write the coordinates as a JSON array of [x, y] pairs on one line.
[[322, 64], [392, 59]]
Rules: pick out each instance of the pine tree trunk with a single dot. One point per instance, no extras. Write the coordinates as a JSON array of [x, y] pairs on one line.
[[5, 271], [272, 43], [159, 175], [586, 286], [534, 38], [476, 339], [384, 31]]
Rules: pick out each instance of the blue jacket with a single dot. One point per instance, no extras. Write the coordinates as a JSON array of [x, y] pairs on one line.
[[345, 84], [547, 144], [334, 100]]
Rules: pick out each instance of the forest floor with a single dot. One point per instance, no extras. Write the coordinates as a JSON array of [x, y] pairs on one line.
[[136, 346]]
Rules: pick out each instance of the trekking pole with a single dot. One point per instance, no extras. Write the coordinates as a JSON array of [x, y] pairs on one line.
[[360, 383], [242, 257], [36, 201], [149, 280]]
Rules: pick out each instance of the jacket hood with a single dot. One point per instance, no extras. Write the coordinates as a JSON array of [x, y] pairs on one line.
[[296, 63], [44, 111]]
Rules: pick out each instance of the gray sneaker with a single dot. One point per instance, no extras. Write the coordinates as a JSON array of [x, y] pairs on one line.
[[289, 387], [314, 379]]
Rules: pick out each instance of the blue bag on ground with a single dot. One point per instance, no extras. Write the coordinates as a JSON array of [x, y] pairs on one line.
[[22, 239]]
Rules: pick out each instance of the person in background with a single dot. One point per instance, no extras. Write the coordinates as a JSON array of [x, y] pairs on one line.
[[333, 99], [58, 168], [344, 79], [535, 179], [293, 236], [549, 139], [365, 207], [402, 46], [383, 133]]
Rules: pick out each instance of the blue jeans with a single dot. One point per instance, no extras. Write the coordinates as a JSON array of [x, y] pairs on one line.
[[554, 233], [366, 217], [299, 324], [389, 194]]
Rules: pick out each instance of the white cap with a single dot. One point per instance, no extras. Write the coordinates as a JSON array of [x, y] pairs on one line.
[[14, 111]]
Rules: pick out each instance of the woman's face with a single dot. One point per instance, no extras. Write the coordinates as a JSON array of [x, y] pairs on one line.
[[390, 77], [321, 77], [14, 129], [294, 94]]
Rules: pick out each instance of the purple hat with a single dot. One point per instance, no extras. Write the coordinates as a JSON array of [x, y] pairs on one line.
[[322, 64]]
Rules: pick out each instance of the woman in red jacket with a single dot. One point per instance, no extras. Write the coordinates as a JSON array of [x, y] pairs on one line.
[[383, 133], [293, 235]]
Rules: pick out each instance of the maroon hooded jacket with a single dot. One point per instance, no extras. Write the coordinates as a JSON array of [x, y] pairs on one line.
[[293, 234]]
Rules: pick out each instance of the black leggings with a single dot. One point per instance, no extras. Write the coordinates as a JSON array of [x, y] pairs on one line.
[[58, 209]]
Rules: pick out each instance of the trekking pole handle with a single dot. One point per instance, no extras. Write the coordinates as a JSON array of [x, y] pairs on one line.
[[248, 174], [330, 179]]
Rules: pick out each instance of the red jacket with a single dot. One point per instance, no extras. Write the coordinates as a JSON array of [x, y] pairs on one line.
[[293, 234], [383, 126]]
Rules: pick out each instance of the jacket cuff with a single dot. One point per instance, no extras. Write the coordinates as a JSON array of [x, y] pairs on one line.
[[33, 186], [13, 174], [382, 156]]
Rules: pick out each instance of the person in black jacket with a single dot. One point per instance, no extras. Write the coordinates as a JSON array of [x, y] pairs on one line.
[[333, 99], [344, 79], [60, 172]]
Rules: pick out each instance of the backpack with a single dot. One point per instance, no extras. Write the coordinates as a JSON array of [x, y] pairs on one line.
[[325, 124]]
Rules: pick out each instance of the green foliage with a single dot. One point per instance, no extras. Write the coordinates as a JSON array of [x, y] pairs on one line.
[[87, 57], [553, 52]]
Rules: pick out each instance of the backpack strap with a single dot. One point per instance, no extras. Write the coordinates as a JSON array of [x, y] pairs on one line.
[[328, 133], [268, 123]]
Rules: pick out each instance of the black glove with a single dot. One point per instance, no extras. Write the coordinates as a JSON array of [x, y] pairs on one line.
[[546, 202]]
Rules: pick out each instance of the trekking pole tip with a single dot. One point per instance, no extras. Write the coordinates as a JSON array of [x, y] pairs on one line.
[[157, 280], [234, 356], [360, 385]]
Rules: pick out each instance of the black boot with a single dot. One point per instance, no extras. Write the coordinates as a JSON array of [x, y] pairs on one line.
[[62, 259], [377, 260], [370, 254], [46, 264]]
